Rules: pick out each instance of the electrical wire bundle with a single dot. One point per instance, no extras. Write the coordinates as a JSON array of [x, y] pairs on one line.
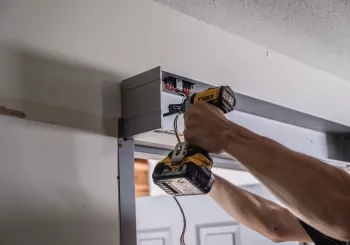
[[182, 238]]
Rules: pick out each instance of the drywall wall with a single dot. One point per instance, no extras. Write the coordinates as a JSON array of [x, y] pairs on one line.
[[57, 185], [127, 37], [62, 92]]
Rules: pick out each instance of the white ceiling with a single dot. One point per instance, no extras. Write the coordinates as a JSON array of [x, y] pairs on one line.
[[316, 32]]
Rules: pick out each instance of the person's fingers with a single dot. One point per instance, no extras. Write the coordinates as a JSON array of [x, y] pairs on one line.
[[214, 108]]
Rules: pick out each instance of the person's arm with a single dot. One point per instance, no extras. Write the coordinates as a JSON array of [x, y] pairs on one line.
[[314, 191], [265, 217]]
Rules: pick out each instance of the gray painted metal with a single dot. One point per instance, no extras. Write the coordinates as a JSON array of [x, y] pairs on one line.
[[145, 99], [141, 79], [282, 114], [220, 161], [127, 209], [141, 103], [144, 87], [142, 100], [141, 124]]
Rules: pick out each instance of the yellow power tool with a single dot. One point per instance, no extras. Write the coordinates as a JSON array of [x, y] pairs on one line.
[[186, 169]]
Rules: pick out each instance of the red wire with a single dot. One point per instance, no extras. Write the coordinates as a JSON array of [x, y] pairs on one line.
[[185, 91], [176, 130], [182, 238]]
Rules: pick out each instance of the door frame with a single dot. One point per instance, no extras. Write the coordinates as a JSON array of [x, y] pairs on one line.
[[128, 150]]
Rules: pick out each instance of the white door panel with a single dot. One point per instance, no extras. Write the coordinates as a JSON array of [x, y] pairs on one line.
[[158, 241], [159, 236], [219, 233], [159, 221], [224, 239]]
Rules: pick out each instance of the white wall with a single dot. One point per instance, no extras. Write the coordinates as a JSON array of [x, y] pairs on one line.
[[53, 90], [126, 37], [57, 185]]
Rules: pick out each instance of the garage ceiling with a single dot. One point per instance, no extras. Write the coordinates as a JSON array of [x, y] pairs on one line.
[[316, 32]]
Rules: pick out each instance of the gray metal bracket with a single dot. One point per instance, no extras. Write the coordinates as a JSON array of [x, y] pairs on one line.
[[126, 181]]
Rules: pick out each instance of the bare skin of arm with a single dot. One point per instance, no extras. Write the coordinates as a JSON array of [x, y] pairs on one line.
[[314, 191], [265, 217]]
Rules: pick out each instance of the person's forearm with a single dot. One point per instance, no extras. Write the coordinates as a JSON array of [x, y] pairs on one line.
[[314, 191], [257, 213]]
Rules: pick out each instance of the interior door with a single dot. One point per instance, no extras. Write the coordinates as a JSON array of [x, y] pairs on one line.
[[159, 222]]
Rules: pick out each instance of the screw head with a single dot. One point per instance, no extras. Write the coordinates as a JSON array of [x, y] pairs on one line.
[[268, 55]]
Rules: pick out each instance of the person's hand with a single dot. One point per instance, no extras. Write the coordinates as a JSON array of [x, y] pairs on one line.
[[205, 126]]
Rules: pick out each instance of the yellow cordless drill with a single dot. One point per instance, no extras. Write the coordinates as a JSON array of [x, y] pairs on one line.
[[186, 169]]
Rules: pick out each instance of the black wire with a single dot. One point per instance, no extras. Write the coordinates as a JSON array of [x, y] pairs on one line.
[[182, 238], [181, 93]]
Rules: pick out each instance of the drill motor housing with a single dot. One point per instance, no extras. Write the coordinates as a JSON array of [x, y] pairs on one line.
[[186, 169]]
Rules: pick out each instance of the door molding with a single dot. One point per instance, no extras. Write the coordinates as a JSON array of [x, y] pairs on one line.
[[205, 230], [163, 234]]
